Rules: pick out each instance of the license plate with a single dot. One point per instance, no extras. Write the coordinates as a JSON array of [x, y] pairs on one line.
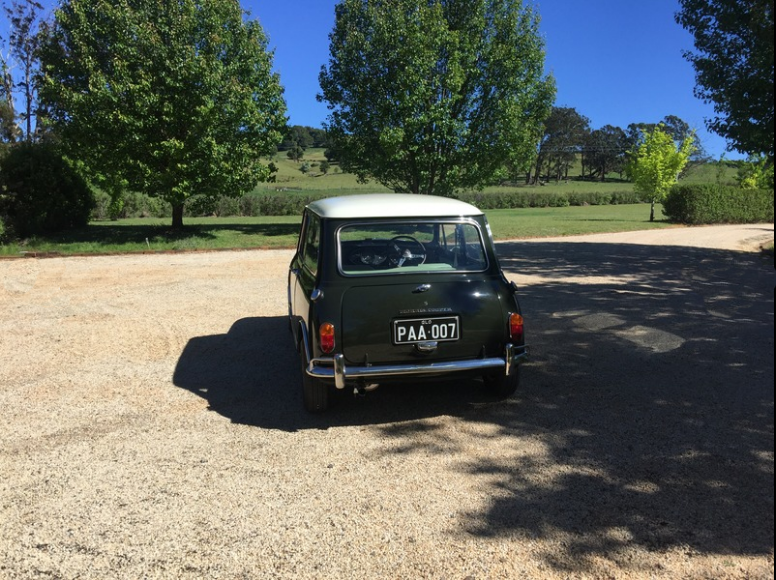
[[424, 329]]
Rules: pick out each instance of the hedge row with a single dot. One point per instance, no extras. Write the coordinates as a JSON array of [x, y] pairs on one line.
[[519, 199], [137, 205], [718, 204]]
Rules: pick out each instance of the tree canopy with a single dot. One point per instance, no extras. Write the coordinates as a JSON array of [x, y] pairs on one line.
[[565, 132], [656, 163], [734, 68], [174, 99], [434, 96]]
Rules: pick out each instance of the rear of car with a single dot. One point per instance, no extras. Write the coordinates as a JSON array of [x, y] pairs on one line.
[[407, 287]]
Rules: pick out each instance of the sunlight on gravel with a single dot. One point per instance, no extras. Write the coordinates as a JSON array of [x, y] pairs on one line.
[[152, 427]]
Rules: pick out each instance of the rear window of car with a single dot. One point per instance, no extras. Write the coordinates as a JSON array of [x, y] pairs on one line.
[[397, 247]]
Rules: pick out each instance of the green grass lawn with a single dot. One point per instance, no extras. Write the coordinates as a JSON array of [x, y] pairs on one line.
[[154, 234], [289, 179]]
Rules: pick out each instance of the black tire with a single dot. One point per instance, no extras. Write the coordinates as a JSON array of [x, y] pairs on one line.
[[315, 393], [502, 385]]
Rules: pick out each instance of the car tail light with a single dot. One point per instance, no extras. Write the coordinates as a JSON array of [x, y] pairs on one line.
[[516, 328], [326, 332]]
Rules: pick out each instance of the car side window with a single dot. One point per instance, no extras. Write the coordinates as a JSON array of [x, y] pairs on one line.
[[311, 243]]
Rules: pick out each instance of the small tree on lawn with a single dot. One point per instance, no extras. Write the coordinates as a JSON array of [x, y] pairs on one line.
[[655, 164]]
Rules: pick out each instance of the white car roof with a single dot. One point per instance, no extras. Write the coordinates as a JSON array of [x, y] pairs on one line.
[[391, 205]]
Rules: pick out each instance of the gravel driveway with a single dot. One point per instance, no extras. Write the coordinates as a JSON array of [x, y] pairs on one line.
[[151, 425]]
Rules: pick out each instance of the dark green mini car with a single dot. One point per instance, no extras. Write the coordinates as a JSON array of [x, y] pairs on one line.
[[390, 287]]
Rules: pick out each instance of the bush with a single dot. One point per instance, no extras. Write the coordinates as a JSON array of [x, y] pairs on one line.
[[293, 203], [519, 199], [696, 204], [40, 192]]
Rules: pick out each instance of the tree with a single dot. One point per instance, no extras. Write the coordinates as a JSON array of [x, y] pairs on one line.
[[734, 68], [565, 132], [604, 151], [24, 43], [177, 99], [656, 163], [9, 130], [295, 153], [23, 17], [297, 136], [319, 137], [674, 126], [434, 96]]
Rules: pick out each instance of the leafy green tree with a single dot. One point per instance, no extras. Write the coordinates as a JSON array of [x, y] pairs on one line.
[[435, 96], [297, 136], [655, 164], [604, 152], [178, 99], [734, 68], [755, 173], [295, 153], [674, 126], [565, 132], [319, 137]]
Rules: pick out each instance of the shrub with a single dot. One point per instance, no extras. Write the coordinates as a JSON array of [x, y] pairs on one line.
[[529, 198], [697, 204], [41, 192]]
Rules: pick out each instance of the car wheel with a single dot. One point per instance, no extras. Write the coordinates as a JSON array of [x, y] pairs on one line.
[[503, 385], [314, 392]]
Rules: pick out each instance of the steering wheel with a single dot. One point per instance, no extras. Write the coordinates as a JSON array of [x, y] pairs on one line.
[[399, 254]]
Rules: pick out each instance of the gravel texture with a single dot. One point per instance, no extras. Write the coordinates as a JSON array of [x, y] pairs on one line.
[[151, 425]]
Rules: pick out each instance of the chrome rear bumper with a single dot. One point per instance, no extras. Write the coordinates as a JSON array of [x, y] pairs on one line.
[[334, 367]]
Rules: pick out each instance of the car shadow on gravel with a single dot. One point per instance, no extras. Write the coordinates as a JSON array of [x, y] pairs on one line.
[[252, 376]]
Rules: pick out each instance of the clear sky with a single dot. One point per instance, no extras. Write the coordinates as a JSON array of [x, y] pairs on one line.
[[615, 61]]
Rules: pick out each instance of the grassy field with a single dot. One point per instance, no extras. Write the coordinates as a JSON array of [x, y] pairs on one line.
[[154, 234], [289, 179]]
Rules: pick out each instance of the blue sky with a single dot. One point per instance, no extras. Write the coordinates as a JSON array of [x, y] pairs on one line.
[[615, 61]]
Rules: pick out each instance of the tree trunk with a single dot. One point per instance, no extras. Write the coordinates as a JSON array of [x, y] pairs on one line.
[[177, 216], [652, 210]]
